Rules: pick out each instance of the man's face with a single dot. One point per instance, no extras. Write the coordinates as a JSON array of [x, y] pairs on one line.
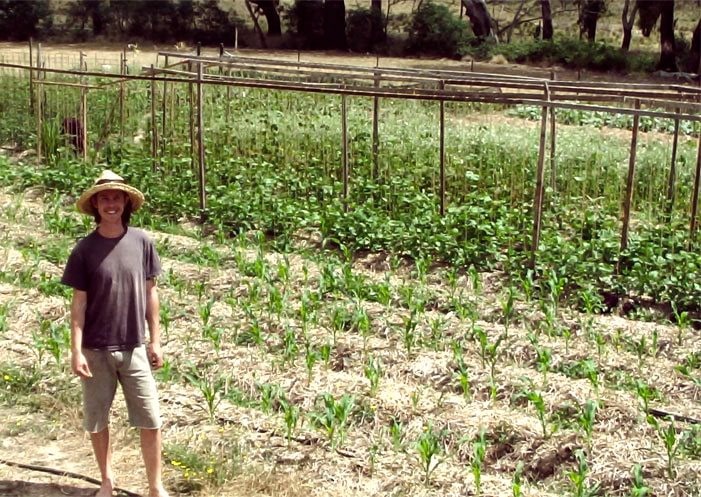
[[110, 205]]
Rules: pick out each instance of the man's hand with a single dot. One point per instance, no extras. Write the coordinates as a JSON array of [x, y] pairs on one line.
[[155, 355], [79, 365]]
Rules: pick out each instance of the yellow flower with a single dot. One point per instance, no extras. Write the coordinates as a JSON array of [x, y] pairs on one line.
[[210, 471], [7, 377]]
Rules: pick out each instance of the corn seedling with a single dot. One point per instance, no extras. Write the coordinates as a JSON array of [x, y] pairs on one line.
[[544, 358], [638, 487], [475, 279], [463, 377], [53, 337], [325, 353], [587, 417], [479, 448], [671, 442], [166, 317], [290, 414], [683, 322], [645, 394], [4, 311], [289, 346], [489, 353], [311, 356], [409, 334], [437, 327], [429, 448], [536, 399], [211, 386], [507, 309], [214, 335], [205, 311], [333, 417], [516, 481], [578, 477], [270, 396], [396, 433], [373, 372]]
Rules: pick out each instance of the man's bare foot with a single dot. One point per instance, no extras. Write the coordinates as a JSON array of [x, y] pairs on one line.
[[158, 492], [106, 489]]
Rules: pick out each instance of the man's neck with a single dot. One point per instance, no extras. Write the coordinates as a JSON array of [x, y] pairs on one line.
[[111, 230]]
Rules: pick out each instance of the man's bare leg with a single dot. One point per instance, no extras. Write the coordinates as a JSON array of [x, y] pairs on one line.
[[103, 455], [151, 452]]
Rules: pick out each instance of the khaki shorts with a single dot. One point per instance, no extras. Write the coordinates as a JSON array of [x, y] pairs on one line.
[[132, 370]]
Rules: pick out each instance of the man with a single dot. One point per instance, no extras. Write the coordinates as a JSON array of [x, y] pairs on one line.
[[113, 275]]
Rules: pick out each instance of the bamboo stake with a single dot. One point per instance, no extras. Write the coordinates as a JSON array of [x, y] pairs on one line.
[[344, 132], [200, 145], [39, 104], [376, 130], [191, 119], [441, 86], [154, 125], [540, 172], [553, 168], [31, 77], [629, 182], [695, 196], [672, 171], [164, 113], [122, 71], [84, 120]]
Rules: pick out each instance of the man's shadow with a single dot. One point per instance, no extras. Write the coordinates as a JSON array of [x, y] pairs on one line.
[[20, 488]]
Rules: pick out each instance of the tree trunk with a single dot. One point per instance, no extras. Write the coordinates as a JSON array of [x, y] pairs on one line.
[[335, 24], [547, 19], [628, 21], [589, 13], [378, 32], [272, 16], [668, 61], [695, 57], [479, 17], [310, 25]]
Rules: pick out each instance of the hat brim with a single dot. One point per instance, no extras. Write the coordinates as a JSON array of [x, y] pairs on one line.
[[85, 206]]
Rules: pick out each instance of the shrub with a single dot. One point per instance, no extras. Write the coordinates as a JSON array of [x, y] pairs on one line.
[[361, 26], [435, 30]]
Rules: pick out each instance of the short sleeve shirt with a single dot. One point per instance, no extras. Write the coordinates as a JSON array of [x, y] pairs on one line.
[[113, 272]]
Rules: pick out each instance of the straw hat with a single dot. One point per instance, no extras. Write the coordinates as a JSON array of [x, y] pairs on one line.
[[109, 181]]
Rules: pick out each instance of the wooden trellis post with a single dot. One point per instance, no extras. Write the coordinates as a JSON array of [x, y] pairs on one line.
[[38, 108], [631, 176], [539, 187], [441, 87], [695, 196], [344, 133], [31, 76], [553, 167], [376, 130], [164, 114], [200, 144], [84, 107], [673, 168], [154, 124], [123, 72]]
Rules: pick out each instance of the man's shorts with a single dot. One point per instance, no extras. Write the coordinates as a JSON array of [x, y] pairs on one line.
[[132, 370]]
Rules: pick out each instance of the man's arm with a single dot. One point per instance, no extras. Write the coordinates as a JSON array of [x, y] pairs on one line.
[[79, 364], [153, 316]]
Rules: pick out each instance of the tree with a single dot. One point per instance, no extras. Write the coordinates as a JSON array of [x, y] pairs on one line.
[[589, 13], [20, 20], [547, 19], [650, 11], [695, 56], [272, 16], [480, 20], [335, 24], [628, 19]]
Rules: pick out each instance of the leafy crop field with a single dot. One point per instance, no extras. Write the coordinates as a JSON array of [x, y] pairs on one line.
[[371, 346]]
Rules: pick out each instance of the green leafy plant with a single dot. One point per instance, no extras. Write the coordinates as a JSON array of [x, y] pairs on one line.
[[639, 488], [373, 372], [579, 475], [210, 384], [479, 447], [333, 417], [429, 447]]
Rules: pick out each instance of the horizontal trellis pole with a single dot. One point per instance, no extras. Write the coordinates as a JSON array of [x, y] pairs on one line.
[[398, 93]]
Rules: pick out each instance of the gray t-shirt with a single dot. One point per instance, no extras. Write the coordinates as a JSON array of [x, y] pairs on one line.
[[113, 272]]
